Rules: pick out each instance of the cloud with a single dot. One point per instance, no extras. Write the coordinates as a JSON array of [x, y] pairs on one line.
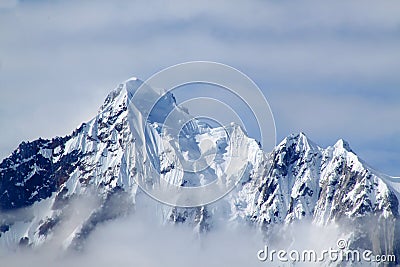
[[6, 4], [145, 237], [58, 60], [141, 240]]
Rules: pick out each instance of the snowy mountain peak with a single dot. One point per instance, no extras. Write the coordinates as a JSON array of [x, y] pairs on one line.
[[343, 144], [158, 102], [298, 180], [300, 142], [121, 95]]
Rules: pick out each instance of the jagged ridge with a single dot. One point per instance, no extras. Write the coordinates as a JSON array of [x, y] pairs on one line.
[[298, 180]]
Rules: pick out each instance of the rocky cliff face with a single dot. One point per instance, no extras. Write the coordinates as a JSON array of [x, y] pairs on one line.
[[42, 180]]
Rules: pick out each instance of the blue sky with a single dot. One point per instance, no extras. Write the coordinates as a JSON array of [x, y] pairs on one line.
[[329, 69]]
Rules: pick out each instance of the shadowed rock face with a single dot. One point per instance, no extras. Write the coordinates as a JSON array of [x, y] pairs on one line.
[[34, 171], [298, 180]]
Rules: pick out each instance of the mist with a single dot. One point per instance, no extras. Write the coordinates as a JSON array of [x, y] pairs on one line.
[[140, 238]]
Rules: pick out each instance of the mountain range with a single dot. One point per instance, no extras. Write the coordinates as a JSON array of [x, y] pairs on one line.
[[44, 181]]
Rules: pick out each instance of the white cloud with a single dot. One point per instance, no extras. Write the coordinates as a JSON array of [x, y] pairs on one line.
[[59, 60], [6, 4], [140, 240]]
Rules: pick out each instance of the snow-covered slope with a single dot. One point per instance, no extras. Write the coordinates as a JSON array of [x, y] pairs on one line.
[[88, 177]]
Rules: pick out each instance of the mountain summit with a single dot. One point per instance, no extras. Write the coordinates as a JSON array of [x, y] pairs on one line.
[[42, 180]]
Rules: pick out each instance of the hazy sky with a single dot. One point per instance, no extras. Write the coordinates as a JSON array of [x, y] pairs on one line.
[[330, 70]]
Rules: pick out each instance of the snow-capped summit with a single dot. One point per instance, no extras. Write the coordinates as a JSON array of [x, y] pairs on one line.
[[296, 181], [343, 144]]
